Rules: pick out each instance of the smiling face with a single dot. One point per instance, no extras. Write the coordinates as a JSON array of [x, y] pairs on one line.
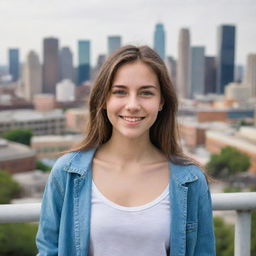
[[134, 100]]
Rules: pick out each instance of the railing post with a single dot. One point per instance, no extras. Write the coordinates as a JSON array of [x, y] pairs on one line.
[[243, 233]]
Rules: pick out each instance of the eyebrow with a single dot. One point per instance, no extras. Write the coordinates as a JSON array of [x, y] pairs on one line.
[[142, 87]]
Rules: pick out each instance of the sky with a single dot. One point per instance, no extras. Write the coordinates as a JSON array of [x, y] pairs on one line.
[[24, 23]]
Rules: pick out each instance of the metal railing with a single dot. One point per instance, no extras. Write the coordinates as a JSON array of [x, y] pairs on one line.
[[242, 203]]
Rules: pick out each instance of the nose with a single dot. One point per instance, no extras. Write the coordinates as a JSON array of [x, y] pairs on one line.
[[133, 104]]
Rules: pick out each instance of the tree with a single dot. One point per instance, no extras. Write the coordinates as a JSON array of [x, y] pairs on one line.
[[224, 235], [43, 167], [8, 187], [19, 135], [18, 239], [230, 161]]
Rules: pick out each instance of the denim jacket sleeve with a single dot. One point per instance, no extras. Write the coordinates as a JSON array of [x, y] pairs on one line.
[[205, 245], [48, 231]]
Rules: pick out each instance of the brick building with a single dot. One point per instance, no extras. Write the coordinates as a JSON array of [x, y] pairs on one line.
[[16, 157]]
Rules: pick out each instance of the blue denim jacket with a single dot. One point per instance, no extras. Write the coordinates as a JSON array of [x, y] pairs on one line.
[[64, 227]]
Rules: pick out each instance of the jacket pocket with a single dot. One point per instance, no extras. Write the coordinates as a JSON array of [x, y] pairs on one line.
[[191, 238]]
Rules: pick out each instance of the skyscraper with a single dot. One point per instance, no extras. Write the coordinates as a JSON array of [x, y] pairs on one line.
[[159, 40], [210, 75], [32, 77], [114, 42], [250, 74], [51, 69], [225, 56], [183, 63], [83, 61], [197, 66], [66, 64], [171, 65], [14, 65]]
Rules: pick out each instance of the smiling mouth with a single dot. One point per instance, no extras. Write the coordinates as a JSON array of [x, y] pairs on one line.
[[132, 119]]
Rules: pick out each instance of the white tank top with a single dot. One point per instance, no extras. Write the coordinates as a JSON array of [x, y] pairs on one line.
[[118, 230]]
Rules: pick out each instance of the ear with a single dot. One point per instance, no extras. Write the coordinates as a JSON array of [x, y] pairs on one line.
[[161, 104]]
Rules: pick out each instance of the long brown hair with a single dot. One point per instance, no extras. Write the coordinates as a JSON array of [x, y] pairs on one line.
[[163, 133]]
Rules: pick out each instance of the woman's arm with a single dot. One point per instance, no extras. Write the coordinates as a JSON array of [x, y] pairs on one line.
[[48, 231]]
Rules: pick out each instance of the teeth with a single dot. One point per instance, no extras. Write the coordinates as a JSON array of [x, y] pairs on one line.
[[132, 119]]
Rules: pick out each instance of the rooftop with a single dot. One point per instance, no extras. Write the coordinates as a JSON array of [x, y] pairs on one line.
[[28, 115], [12, 150]]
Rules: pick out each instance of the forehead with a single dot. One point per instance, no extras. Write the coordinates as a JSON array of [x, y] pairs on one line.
[[135, 73]]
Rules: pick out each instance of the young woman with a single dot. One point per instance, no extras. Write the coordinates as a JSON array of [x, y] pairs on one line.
[[127, 189]]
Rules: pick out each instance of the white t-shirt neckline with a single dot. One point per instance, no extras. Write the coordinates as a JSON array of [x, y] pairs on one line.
[[133, 208]]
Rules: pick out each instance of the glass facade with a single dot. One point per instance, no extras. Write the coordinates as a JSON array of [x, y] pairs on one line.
[[159, 40], [83, 61], [226, 56], [14, 66]]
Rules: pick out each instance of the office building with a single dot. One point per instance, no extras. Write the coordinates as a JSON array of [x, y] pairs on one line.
[[51, 69], [183, 63], [114, 42], [250, 74], [16, 157], [32, 76], [40, 123], [225, 56], [171, 65], [159, 40], [65, 91], [237, 92], [14, 65], [66, 64], [210, 75], [197, 71], [83, 61], [239, 73]]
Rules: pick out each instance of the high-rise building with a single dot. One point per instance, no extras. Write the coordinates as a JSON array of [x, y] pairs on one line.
[[51, 71], [66, 64], [250, 74], [100, 60], [14, 65], [197, 72], [239, 73], [183, 63], [32, 76], [172, 69], [114, 42], [210, 74], [159, 40], [83, 61], [225, 56]]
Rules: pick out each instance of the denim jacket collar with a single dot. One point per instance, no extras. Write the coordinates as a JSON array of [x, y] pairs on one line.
[[83, 164]]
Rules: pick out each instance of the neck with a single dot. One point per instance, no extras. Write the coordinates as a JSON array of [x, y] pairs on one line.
[[123, 150]]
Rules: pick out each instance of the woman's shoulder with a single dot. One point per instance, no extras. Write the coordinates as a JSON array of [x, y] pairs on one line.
[[74, 161], [190, 174]]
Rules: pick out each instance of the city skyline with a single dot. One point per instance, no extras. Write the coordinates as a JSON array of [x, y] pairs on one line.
[[24, 24]]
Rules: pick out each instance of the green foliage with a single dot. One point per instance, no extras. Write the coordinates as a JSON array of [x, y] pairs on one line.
[[18, 239], [8, 187], [224, 235], [43, 167], [19, 135], [229, 162], [232, 189]]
